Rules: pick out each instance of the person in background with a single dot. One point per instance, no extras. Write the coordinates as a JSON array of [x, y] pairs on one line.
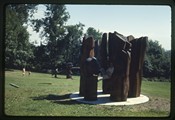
[[23, 71]]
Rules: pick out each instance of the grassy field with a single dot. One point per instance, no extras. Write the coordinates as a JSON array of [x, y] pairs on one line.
[[43, 95]]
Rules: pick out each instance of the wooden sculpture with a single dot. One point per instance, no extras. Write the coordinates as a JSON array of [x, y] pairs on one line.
[[90, 70], [104, 62], [122, 57], [137, 59], [84, 54], [119, 56]]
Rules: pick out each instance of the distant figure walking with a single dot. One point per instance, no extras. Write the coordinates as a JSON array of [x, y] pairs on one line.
[[23, 71]]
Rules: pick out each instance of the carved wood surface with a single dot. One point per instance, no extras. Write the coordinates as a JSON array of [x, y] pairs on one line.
[[83, 57], [87, 45], [137, 59], [125, 54], [104, 62], [91, 75], [119, 56]]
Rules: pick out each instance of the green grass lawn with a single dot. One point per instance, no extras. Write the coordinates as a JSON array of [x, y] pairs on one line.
[[43, 95]]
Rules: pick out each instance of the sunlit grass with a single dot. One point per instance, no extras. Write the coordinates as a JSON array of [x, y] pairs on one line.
[[43, 95]]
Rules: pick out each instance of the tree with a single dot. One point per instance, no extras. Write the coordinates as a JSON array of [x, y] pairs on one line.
[[157, 61], [147, 67], [17, 46], [41, 59], [166, 64], [23, 11], [156, 55], [73, 43], [54, 31], [96, 34]]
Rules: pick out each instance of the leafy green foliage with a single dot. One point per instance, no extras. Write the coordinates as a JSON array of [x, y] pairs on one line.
[[23, 11], [54, 31], [157, 61], [62, 42], [17, 47], [96, 34], [72, 43]]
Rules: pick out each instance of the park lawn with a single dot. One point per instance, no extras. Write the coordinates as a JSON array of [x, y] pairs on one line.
[[43, 95]]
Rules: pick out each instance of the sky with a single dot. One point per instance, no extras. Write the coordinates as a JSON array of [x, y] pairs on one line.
[[143, 20]]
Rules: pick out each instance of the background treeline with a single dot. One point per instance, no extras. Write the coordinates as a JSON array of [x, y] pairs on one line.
[[61, 43]]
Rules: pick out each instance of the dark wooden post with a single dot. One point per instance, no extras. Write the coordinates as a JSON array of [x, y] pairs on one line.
[[90, 71], [137, 58], [83, 57], [119, 56], [91, 74], [104, 62]]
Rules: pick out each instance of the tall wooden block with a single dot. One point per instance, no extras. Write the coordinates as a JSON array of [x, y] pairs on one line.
[[137, 58], [91, 75], [89, 71], [119, 56], [104, 62], [84, 55]]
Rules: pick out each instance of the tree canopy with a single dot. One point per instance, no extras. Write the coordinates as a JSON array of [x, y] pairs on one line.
[[17, 47], [96, 34], [157, 61]]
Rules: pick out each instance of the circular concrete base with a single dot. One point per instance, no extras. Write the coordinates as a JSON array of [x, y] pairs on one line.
[[103, 99]]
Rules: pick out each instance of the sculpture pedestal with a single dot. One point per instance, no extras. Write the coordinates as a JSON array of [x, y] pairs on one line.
[[103, 99]]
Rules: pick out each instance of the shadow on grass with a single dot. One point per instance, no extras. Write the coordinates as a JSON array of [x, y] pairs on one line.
[[59, 99]]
